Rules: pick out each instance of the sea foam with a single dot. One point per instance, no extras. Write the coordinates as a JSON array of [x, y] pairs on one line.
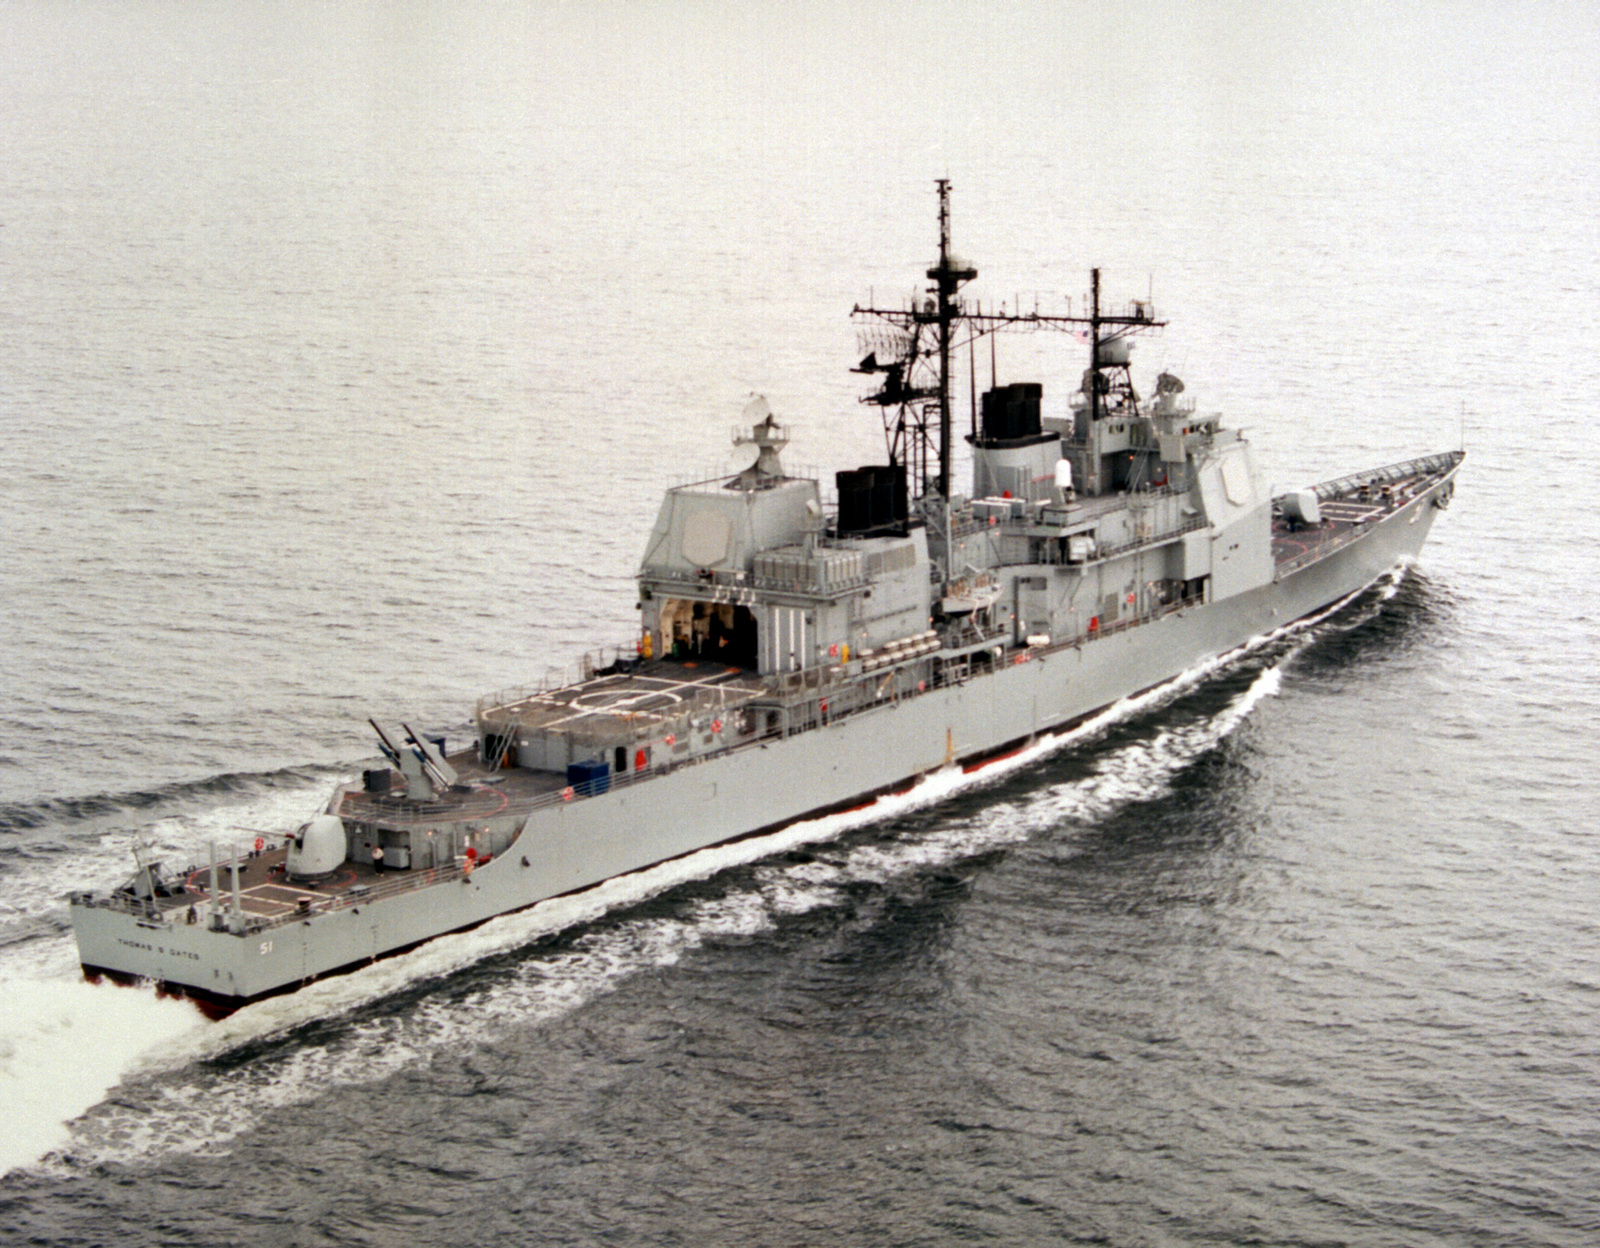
[[63, 1045]]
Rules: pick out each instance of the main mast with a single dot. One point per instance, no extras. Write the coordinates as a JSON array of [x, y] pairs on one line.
[[897, 345], [915, 392], [950, 275]]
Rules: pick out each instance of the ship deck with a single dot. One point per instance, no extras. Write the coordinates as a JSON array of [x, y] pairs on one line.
[[1345, 518], [265, 892], [644, 699], [481, 793], [648, 696], [636, 700], [1341, 523]]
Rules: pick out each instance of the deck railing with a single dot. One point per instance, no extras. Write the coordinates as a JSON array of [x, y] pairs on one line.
[[174, 913], [801, 701], [1426, 466], [819, 696]]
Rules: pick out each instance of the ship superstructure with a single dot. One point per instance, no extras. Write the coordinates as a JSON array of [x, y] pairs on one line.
[[799, 653]]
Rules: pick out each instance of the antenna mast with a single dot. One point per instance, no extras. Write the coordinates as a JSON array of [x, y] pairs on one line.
[[907, 359], [950, 275], [897, 344]]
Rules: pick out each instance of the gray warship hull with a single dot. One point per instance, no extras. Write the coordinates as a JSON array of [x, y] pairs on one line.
[[799, 654], [574, 843]]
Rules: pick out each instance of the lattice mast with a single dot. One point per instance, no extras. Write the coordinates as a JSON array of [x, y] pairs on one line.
[[912, 347], [917, 382]]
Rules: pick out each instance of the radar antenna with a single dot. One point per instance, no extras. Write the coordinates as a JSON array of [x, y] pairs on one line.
[[757, 452], [911, 347], [920, 345]]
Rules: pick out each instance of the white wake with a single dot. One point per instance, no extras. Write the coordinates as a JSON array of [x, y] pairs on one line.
[[176, 1100]]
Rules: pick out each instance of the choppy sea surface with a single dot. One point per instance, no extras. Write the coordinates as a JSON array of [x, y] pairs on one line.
[[345, 352]]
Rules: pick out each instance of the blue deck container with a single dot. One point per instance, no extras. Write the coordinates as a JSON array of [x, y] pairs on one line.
[[589, 777]]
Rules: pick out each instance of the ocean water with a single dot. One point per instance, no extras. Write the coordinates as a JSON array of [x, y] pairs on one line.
[[345, 352]]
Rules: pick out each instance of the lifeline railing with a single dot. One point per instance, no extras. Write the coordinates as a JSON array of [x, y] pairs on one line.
[[1426, 466], [1423, 473], [803, 701], [403, 881]]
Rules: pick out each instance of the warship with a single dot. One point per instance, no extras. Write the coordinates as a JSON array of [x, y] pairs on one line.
[[801, 652]]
